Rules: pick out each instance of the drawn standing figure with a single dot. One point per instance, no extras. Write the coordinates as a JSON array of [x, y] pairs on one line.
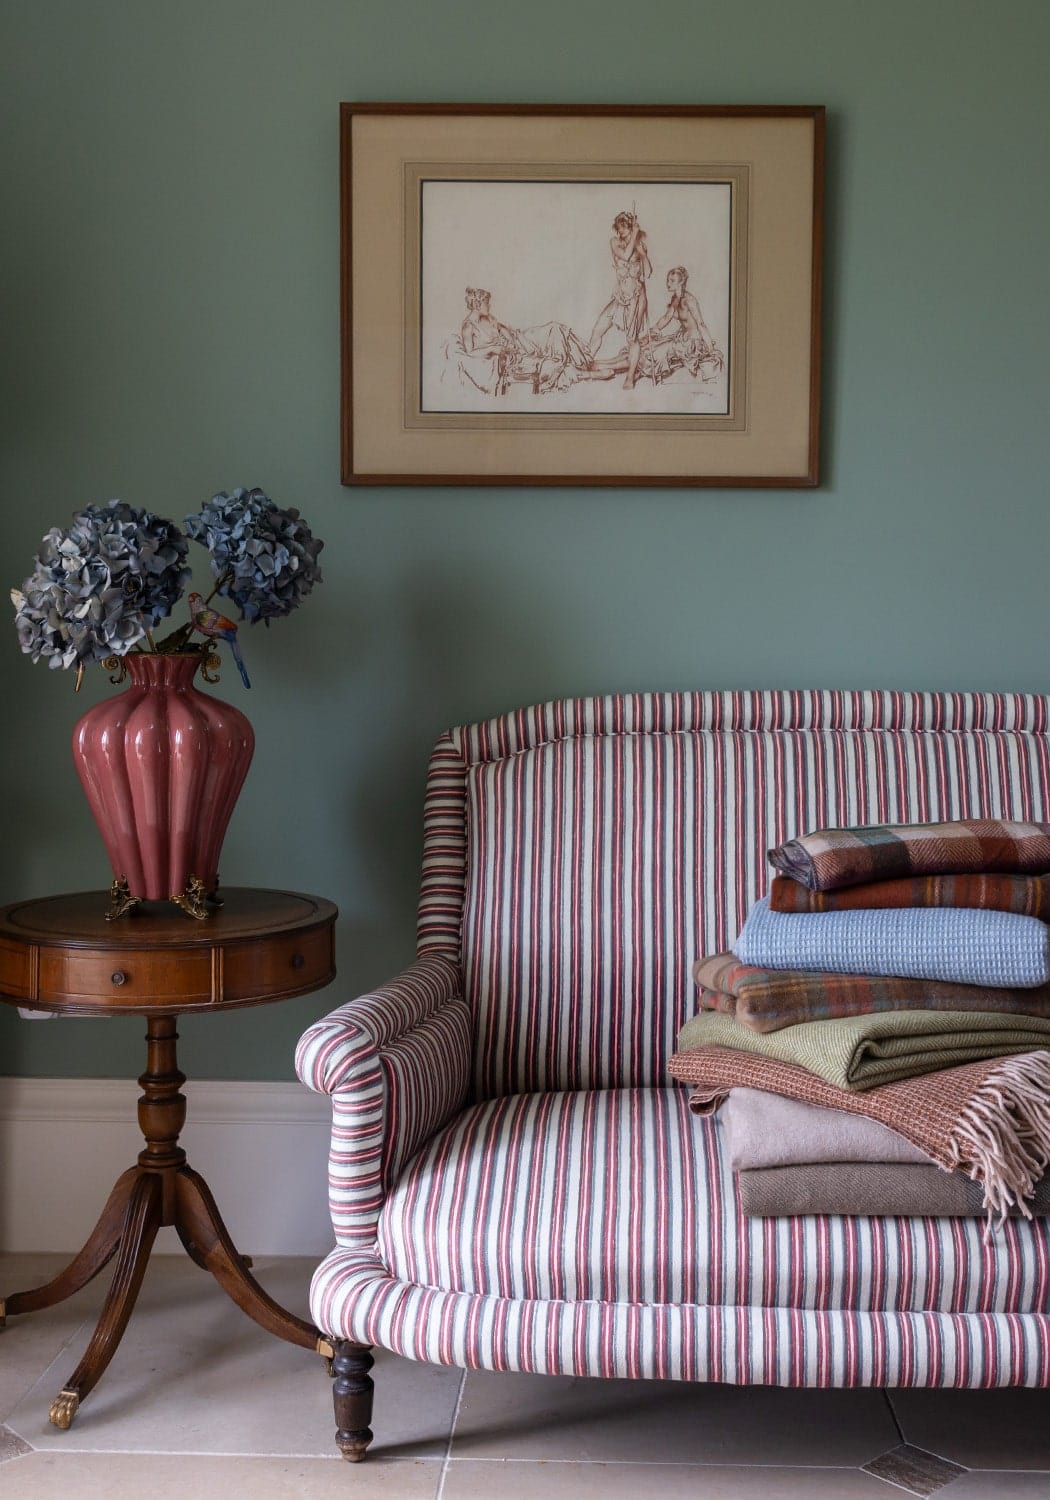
[[628, 307]]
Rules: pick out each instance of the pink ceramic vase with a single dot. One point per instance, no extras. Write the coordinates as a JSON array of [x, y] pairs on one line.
[[162, 765]]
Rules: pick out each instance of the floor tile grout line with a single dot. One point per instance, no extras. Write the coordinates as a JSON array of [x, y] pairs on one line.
[[692, 1463], [893, 1414], [451, 1436]]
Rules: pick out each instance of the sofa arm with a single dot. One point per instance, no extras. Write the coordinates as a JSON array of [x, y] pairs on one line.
[[396, 1063]]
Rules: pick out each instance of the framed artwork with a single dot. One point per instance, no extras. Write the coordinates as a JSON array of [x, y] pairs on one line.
[[581, 295]]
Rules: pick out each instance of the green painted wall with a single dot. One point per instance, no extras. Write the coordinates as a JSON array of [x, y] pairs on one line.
[[170, 328]]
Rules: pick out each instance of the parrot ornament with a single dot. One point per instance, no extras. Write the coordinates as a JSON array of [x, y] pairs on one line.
[[209, 622]]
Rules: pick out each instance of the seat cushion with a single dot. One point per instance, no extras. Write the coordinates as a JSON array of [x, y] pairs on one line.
[[622, 1196]]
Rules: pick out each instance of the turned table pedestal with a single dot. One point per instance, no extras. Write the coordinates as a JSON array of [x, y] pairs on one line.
[[61, 954]]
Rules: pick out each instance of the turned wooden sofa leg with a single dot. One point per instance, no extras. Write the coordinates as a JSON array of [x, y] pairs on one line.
[[352, 1394]]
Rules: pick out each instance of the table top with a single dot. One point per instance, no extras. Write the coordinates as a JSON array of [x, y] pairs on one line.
[[59, 953]]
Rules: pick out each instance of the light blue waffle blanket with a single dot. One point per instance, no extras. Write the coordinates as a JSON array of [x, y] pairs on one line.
[[957, 943]]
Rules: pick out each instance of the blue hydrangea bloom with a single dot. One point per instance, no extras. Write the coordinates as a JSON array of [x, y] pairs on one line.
[[97, 587], [264, 557]]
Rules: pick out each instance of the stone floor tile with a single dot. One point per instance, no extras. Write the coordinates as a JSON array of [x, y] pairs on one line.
[[94, 1476], [509, 1415], [994, 1484], [542, 1480], [1000, 1429]]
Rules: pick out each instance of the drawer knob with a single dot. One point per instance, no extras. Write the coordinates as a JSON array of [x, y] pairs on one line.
[[297, 960], [119, 977]]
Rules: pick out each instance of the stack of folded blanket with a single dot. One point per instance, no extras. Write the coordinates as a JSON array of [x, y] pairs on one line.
[[881, 1030]]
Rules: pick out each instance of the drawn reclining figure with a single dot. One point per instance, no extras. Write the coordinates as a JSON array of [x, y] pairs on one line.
[[490, 355]]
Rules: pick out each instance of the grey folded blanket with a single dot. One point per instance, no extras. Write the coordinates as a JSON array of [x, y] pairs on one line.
[[870, 1189]]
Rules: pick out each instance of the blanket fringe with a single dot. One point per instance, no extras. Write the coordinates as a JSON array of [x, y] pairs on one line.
[[1001, 1139]]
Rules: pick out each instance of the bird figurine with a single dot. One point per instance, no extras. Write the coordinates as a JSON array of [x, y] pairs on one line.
[[209, 622]]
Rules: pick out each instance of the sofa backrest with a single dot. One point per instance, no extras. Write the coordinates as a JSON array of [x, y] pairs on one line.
[[579, 855]]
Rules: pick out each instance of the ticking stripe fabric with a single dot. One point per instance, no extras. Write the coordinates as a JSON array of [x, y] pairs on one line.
[[623, 1196], [603, 845], [352, 1296], [396, 1064], [600, 1233]]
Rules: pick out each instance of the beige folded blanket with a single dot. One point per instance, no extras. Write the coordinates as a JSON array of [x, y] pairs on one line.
[[869, 1189], [767, 1130]]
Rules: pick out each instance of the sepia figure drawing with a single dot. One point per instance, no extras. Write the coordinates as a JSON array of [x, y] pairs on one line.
[[628, 308], [490, 355], [497, 360], [690, 345]]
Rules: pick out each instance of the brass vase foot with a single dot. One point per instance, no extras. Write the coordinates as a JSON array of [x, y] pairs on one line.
[[120, 899], [194, 899]]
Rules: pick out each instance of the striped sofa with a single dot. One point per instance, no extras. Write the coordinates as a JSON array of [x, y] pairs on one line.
[[514, 1182]]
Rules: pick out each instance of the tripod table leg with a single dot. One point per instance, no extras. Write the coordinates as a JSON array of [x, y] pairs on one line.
[[87, 1263], [140, 1229], [199, 1221]]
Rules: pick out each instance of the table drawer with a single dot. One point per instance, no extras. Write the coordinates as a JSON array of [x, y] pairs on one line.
[[282, 966], [125, 980]]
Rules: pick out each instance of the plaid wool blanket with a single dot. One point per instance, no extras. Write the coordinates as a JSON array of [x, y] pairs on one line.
[[1024, 895], [833, 857], [988, 1119], [863, 1052], [768, 999], [958, 944]]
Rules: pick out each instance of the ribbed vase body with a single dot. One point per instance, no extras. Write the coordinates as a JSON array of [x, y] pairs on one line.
[[162, 766]]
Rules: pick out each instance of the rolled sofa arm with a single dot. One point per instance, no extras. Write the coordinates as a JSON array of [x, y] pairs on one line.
[[396, 1063]]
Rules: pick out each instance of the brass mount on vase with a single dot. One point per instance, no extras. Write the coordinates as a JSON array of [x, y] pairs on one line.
[[196, 900]]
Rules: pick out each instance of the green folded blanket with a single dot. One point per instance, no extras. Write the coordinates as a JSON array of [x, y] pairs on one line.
[[862, 1052]]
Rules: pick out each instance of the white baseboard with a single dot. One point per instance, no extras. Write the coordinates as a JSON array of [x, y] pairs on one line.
[[262, 1147]]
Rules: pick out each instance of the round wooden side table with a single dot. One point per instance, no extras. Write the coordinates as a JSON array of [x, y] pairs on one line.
[[61, 954]]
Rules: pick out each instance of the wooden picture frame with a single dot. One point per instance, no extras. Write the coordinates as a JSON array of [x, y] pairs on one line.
[[581, 295]]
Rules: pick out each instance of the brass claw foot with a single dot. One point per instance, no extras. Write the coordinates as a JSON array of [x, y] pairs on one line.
[[120, 899], [64, 1409]]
